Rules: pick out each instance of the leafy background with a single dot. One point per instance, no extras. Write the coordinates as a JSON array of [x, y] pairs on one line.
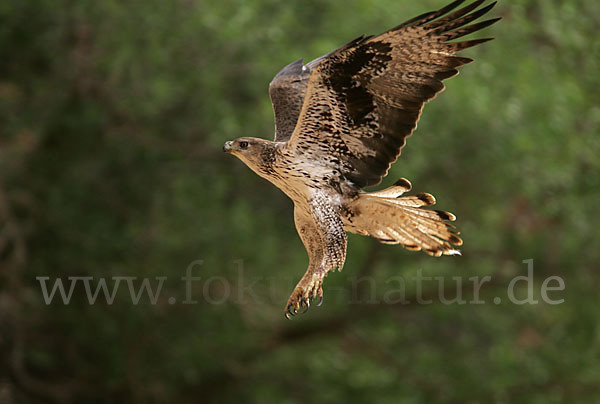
[[112, 117]]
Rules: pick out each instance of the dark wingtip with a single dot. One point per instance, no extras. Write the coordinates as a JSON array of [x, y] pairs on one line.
[[489, 22], [429, 16], [449, 7]]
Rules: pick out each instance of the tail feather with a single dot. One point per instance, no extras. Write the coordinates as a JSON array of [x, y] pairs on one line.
[[401, 186], [396, 219]]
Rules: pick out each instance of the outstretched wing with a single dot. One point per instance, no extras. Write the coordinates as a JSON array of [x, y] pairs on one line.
[[287, 92], [365, 98]]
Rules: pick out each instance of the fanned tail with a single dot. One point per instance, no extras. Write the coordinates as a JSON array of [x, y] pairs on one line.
[[395, 219]]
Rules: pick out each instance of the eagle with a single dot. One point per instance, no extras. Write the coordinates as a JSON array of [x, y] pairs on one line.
[[341, 121]]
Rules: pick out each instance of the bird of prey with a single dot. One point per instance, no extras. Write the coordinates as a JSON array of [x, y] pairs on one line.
[[341, 121]]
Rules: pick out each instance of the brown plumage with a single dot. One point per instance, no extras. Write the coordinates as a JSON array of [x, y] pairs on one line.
[[341, 121]]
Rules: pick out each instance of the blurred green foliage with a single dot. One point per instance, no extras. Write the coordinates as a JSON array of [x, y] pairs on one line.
[[112, 116]]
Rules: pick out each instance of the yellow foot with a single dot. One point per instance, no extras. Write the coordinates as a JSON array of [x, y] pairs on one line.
[[310, 287]]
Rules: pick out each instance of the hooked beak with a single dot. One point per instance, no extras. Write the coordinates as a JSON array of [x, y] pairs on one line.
[[227, 146]]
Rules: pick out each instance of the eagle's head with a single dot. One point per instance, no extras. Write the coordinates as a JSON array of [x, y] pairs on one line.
[[256, 153]]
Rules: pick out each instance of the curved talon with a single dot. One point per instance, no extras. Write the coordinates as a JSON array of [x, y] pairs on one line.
[[290, 311], [304, 303], [303, 295]]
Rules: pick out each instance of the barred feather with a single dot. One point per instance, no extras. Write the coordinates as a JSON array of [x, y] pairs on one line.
[[402, 220]]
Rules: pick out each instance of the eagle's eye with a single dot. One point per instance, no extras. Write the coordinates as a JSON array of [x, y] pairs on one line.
[[243, 145]]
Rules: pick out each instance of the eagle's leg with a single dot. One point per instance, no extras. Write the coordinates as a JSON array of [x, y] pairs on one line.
[[309, 287], [322, 233]]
